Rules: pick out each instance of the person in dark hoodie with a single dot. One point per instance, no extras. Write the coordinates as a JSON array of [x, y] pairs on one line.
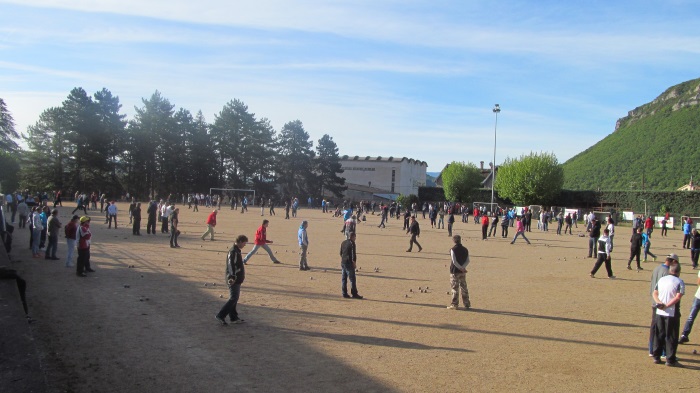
[[635, 249], [593, 238], [235, 274]]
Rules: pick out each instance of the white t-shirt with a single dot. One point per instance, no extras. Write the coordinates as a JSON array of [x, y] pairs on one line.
[[697, 294], [668, 287], [611, 229]]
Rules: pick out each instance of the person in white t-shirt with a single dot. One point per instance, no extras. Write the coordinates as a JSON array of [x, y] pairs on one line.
[[667, 295], [691, 317]]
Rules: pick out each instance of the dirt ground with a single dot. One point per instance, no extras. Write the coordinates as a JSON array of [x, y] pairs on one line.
[[538, 321]]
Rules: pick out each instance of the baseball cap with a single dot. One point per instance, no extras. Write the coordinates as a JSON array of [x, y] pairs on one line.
[[84, 219], [673, 256]]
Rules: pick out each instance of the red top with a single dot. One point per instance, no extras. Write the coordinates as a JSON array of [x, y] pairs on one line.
[[484, 221], [71, 230], [211, 220], [261, 236], [648, 223], [85, 235]]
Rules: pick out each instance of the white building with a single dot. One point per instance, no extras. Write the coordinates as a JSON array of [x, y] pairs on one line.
[[392, 175]]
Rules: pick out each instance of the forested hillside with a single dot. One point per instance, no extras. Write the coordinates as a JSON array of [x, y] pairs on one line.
[[656, 147]]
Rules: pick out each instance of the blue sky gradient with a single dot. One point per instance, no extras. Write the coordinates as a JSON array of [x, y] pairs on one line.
[[390, 78]]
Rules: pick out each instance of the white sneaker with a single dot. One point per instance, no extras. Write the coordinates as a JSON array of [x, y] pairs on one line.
[[451, 307]]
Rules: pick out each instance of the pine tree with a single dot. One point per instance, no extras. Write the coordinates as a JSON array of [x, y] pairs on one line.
[[328, 167]]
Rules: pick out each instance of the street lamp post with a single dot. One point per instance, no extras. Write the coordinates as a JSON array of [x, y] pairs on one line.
[[496, 110], [645, 207]]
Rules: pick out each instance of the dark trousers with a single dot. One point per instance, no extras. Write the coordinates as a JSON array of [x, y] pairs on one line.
[[229, 307], [492, 231], [592, 246], [413, 240], [635, 253], [664, 231], [504, 231], [348, 272], [43, 238], [110, 221], [666, 337], [694, 253], [567, 228], [164, 225], [83, 260], [151, 225], [22, 221], [686, 241], [52, 247], [483, 231], [173, 237], [603, 257], [405, 223], [449, 229], [136, 229]]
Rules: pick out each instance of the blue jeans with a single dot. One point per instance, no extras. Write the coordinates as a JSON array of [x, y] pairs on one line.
[[592, 246], [70, 250], [230, 307], [52, 246], [348, 272], [691, 318], [36, 237]]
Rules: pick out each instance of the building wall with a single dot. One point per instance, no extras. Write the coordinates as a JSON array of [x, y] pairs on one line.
[[400, 175]]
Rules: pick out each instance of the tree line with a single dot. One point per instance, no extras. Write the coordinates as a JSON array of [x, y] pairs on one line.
[[86, 145]]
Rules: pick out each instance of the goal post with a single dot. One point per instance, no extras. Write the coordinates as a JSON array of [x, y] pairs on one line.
[[234, 191]]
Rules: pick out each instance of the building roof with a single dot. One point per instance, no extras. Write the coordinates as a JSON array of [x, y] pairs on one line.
[[383, 159]]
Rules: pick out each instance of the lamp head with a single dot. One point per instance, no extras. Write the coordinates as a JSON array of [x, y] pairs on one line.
[[496, 108]]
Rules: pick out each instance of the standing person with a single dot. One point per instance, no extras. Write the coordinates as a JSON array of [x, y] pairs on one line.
[[286, 209], [649, 225], [441, 218], [112, 212], [560, 222], [528, 220], [383, 212], [262, 206], [84, 239], [211, 223], [450, 222], [414, 230], [635, 249], [174, 232], [458, 274], [165, 211], [494, 225], [637, 223], [406, 219], [303, 239], [53, 225], [132, 206], [505, 224], [664, 229], [195, 200], [519, 230], [611, 230], [272, 207], [568, 221], [695, 248], [687, 228], [658, 273], [350, 226], [604, 250], [37, 228], [667, 295], [71, 232], [57, 201], [348, 264], [261, 242], [23, 211], [593, 236], [295, 206], [691, 316], [484, 226], [646, 243], [432, 215], [136, 215], [152, 212], [235, 275]]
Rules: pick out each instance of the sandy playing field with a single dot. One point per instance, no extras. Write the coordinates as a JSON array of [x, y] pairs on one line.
[[538, 322]]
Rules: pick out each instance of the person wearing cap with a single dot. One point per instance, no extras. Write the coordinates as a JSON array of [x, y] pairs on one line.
[[71, 232], [658, 273], [667, 295], [84, 239], [458, 274], [53, 225], [593, 236], [303, 239]]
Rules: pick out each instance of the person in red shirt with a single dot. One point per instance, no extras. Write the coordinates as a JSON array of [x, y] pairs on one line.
[[649, 225], [261, 241], [211, 223], [484, 226]]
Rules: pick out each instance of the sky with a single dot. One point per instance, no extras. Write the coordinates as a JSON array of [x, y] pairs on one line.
[[416, 79]]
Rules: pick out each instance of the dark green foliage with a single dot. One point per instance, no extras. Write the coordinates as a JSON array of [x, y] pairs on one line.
[[407, 200], [654, 148], [7, 129], [9, 172], [328, 167], [295, 166], [460, 180]]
